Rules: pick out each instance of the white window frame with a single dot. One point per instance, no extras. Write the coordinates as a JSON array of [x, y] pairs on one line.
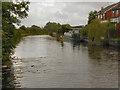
[[116, 12], [113, 12]]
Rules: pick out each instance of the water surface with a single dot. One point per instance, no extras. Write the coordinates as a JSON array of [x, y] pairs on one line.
[[42, 62]]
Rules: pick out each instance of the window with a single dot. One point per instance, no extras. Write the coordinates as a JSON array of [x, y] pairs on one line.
[[119, 19], [116, 12], [101, 16], [113, 12]]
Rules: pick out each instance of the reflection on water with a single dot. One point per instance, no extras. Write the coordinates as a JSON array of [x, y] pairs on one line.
[[42, 62], [104, 61]]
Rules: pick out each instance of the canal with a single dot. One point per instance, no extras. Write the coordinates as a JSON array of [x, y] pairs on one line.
[[40, 61]]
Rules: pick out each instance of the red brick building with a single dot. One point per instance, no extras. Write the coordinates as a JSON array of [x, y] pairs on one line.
[[110, 13]]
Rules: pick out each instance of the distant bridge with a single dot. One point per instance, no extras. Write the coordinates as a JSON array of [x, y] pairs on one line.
[[76, 28]]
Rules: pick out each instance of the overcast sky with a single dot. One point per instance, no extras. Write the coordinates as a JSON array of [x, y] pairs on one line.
[[73, 13]]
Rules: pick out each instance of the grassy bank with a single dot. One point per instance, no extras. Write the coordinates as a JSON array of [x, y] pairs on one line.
[[116, 39]]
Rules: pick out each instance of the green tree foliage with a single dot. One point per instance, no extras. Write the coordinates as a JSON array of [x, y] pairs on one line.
[[52, 27], [112, 32], [78, 26], [56, 27], [11, 14], [23, 27], [49, 28], [0, 31], [91, 16], [65, 27], [84, 32], [33, 30], [100, 31]]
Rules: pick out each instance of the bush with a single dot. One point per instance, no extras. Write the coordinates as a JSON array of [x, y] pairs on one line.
[[100, 31]]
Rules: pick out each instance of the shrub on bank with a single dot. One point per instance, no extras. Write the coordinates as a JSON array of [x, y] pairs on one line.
[[100, 31]]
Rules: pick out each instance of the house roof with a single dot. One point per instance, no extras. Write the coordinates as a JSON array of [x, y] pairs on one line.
[[110, 7], [117, 6]]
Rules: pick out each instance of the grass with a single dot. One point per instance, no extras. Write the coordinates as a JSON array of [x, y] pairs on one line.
[[115, 39]]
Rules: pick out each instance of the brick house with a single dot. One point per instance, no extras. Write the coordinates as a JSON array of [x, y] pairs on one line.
[[110, 13]]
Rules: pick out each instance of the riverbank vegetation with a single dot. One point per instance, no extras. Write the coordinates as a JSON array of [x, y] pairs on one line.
[[49, 29], [11, 15], [99, 31]]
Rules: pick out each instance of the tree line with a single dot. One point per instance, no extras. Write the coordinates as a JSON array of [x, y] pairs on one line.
[[49, 28]]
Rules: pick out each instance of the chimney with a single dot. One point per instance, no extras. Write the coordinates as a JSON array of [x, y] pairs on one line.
[[102, 8]]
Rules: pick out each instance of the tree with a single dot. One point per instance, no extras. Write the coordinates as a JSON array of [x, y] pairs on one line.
[[52, 27], [23, 27], [81, 26], [91, 16], [100, 31], [34, 29], [11, 14], [65, 27]]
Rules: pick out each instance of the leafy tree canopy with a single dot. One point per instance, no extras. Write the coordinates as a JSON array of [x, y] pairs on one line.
[[91, 16], [77, 26], [12, 12], [52, 26]]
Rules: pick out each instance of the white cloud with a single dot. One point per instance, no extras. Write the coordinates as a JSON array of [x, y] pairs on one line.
[[73, 13]]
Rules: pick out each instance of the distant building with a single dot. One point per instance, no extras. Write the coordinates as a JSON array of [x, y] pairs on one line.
[[72, 31], [69, 34], [111, 13], [76, 30]]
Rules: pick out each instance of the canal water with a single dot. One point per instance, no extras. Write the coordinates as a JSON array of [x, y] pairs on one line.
[[42, 62]]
